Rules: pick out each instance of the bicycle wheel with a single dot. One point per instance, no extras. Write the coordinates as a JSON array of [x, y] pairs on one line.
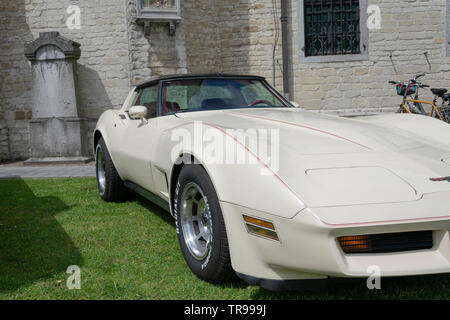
[[415, 107], [445, 113], [409, 106], [418, 107]]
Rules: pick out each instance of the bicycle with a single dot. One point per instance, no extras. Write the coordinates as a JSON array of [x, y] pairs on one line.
[[413, 105]]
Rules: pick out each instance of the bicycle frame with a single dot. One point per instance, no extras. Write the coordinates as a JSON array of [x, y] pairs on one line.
[[434, 107]]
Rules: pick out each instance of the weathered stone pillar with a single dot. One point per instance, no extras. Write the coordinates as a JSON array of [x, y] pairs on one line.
[[57, 133]]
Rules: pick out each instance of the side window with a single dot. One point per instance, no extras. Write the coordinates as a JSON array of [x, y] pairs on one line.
[[177, 97], [256, 91], [148, 98], [178, 94], [214, 93]]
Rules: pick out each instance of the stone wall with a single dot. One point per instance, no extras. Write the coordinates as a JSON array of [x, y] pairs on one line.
[[103, 69], [152, 51], [229, 36], [248, 37], [194, 48], [4, 141], [202, 35], [15, 80], [233, 36], [408, 29]]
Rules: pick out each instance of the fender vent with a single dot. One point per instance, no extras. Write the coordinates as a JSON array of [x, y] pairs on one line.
[[387, 242]]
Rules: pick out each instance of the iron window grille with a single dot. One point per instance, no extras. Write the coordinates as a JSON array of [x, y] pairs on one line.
[[333, 30], [331, 27]]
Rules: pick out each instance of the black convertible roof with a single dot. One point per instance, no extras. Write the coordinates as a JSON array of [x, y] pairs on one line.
[[197, 76]]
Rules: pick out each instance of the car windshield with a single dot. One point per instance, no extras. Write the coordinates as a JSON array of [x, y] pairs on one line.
[[210, 94]]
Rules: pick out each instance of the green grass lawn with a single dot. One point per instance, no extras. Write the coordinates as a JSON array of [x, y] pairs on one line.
[[125, 251]]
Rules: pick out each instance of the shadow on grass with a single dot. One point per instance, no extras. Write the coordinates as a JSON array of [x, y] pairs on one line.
[[33, 245], [153, 208], [392, 288]]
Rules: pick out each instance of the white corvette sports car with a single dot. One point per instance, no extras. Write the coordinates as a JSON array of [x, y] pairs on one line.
[[276, 194]]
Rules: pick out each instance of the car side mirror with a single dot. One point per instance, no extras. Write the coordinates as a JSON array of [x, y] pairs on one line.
[[138, 112]]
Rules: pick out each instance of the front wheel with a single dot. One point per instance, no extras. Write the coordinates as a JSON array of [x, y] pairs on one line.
[[110, 186], [200, 226], [418, 109]]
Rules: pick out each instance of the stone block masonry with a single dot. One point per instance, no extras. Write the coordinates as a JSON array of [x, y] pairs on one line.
[[408, 30], [103, 71], [233, 36]]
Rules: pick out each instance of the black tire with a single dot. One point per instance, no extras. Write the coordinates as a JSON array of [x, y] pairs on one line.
[[446, 113], [113, 189], [216, 266]]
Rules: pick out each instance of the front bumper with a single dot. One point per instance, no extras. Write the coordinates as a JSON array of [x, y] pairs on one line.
[[287, 285], [308, 248]]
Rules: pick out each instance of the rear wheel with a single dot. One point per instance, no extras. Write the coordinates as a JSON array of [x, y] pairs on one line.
[[443, 112], [446, 114], [200, 226], [110, 186]]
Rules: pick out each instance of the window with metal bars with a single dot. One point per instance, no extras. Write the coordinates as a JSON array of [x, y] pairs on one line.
[[331, 27], [159, 4], [333, 30]]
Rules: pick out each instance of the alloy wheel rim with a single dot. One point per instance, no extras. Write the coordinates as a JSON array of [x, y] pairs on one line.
[[195, 221], [101, 177]]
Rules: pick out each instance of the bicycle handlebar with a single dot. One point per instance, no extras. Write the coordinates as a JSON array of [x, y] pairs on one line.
[[417, 76], [413, 81], [419, 84]]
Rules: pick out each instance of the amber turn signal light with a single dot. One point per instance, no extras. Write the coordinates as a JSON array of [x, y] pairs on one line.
[[259, 222], [261, 228], [354, 244]]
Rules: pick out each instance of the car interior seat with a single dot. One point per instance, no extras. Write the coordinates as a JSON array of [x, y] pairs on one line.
[[170, 107]]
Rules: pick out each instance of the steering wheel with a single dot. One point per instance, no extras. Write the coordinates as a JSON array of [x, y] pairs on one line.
[[254, 103]]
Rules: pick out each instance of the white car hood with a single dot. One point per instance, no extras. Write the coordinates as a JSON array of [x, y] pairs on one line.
[[367, 161]]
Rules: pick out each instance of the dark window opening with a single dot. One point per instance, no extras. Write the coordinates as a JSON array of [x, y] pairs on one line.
[[332, 27], [207, 94], [148, 98]]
